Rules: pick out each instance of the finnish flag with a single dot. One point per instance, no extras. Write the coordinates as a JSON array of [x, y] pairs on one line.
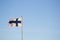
[[15, 22]]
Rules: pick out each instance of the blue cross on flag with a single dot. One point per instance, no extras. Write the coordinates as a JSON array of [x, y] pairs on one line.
[[15, 21]]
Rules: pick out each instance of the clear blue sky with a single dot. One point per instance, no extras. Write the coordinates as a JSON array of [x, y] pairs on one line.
[[41, 19]]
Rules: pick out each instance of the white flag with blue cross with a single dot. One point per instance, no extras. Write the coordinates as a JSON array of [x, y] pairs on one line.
[[15, 22]]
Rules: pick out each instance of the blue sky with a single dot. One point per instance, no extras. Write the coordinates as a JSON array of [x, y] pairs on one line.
[[41, 19]]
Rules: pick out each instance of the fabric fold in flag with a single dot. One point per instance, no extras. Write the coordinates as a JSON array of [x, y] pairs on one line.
[[15, 22]]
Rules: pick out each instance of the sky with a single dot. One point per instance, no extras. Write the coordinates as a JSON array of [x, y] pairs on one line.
[[41, 19]]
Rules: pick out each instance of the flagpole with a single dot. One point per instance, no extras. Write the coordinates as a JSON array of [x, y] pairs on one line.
[[22, 33], [22, 36]]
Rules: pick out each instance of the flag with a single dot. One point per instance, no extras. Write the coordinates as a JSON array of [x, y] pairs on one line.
[[15, 22]]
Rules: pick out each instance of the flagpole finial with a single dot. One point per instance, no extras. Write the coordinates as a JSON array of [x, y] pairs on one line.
[[22, 17]]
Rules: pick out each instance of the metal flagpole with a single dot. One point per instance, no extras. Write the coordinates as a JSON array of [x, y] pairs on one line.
[[22, 30]]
